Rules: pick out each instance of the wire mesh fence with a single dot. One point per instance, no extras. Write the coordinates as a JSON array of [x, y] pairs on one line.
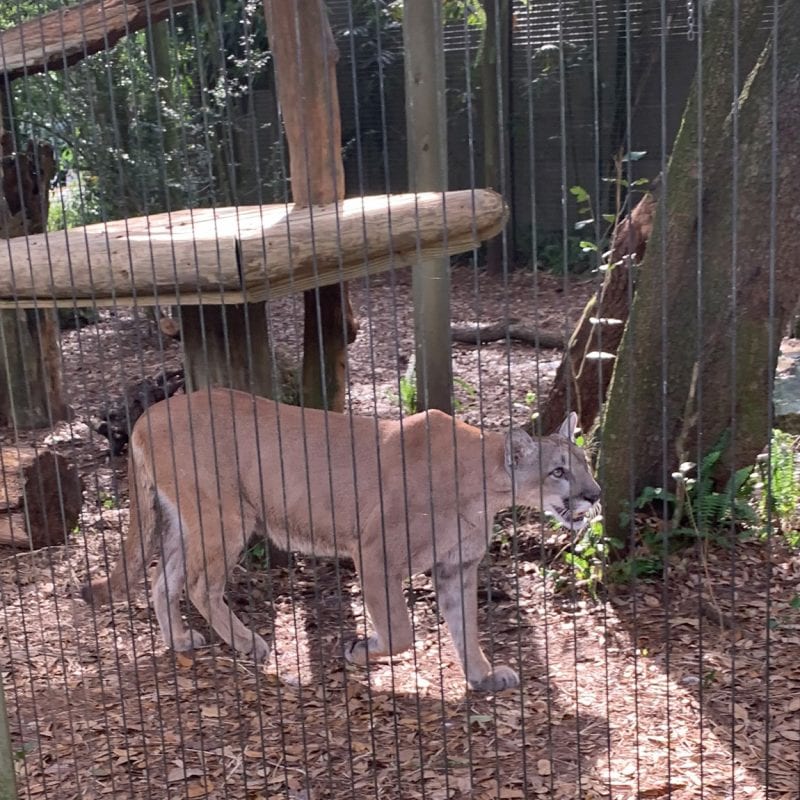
[[304, 307]]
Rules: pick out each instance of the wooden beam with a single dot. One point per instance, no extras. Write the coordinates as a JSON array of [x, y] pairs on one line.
[[61, 38], [253, 253]]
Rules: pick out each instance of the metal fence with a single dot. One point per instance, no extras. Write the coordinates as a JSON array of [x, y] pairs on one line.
[[593, 289]]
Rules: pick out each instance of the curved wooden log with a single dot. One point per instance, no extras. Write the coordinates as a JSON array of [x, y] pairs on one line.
[[244, 254]]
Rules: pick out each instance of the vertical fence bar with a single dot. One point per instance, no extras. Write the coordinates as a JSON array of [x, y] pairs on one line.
[[8, 786]]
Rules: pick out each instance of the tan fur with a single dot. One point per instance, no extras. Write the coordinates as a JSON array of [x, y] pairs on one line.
[[332, 485]]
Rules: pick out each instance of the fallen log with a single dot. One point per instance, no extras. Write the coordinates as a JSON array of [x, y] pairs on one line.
[[512, 328], [41, 495]]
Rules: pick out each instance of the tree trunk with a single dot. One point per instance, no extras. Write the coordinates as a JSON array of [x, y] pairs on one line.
[[305, 73], [494, 105], [585, 371], [30, 389], [699, 353], [427, 171]]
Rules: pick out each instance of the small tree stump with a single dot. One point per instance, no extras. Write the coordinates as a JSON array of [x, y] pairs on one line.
[[41, 495]]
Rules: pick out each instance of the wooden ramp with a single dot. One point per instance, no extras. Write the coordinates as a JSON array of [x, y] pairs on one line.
[[241, 254]]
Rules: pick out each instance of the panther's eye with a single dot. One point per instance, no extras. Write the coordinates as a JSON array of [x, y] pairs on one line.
[[558, 472]]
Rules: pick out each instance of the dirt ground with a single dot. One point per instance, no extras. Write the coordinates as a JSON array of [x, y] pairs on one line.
[[685, 687]]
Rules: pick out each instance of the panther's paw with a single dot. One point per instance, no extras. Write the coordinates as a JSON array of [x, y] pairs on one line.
[[499, 678]]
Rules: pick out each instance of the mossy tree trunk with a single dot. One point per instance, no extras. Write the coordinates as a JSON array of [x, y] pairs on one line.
[[696, 360]]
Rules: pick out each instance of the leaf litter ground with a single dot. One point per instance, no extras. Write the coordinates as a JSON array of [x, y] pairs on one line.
[[640, 693]]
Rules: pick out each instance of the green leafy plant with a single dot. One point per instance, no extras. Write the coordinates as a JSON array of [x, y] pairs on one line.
[[778, 485], [408, 394], [590, 554], [702, 512], [108, 501], [588, 218], [256, 556], [695, 511], [551, 255]]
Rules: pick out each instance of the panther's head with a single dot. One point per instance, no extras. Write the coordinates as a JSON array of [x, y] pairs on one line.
[[552, 474]]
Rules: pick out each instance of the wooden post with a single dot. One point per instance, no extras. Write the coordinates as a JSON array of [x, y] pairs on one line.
[[495, 97], [30, 370], [305, 72], [427, 171], [227, 346]]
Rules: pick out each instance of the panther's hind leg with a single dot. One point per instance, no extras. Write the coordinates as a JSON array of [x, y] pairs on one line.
[[169, 583]]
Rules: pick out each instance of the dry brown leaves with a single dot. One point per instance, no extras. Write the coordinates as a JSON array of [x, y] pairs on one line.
[[641, 695]]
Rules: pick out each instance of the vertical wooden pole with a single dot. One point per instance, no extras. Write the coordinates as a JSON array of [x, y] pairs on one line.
[[494, 99], [305, 72], [427, 171]]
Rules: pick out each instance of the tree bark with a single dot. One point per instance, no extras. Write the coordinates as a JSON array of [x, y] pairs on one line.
[[30, 389], [305, 72], [584, 373], [699, 352]]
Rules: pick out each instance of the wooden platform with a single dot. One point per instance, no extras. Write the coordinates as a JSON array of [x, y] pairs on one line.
[[248, 253]]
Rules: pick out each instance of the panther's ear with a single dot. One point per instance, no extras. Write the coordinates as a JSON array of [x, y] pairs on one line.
[[521, 450], [568, 426]]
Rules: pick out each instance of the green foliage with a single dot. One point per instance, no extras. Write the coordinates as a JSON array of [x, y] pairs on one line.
[[588, 225], [708, 512], [108, 501], [134, 138], [454, 11], [256, 555], [778, 485], [408, 394], [695, 511], [554, 255], [77, 203], [589, 555]]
